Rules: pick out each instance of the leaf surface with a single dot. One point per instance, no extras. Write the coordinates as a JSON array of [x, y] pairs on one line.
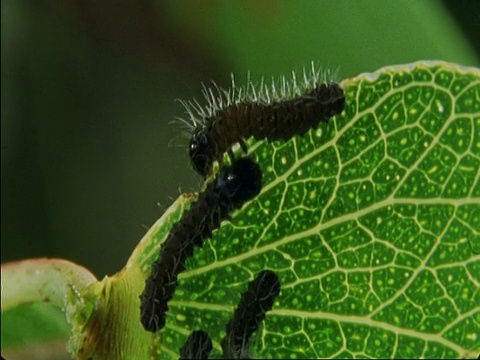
[[371, 223]]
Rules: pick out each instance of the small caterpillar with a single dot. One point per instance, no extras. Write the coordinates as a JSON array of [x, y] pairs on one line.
[[251, 311], [197, 346], [234, 186], [275, 114]]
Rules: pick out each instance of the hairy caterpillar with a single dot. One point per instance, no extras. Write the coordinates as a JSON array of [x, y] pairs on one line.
[[275, 114], [233, 186], [251, 311]]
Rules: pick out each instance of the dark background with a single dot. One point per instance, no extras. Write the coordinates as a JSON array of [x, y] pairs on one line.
[[89, 160]]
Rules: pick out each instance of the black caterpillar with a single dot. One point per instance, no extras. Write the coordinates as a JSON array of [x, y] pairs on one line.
[[234, 186], [251, 311], [197, 346], [230, 118]]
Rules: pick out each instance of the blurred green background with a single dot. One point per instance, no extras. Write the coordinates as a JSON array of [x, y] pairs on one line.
[[89, 160]]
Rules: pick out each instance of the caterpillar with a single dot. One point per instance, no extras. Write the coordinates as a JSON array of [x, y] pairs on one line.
[[275, 114], [234, 186], [251, 311], [197, 346]]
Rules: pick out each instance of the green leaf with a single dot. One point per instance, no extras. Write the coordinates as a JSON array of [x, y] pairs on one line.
[[369, 221], [33, 293], [372, 223], [37, 323]]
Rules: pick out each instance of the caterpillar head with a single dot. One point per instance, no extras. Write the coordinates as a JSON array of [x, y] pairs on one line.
[[239, 183], [202, 152]]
